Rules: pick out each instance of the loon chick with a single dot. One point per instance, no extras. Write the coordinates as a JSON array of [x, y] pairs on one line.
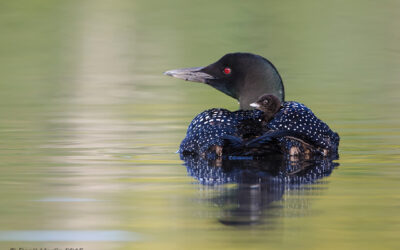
[[245, 77], [269, 105]]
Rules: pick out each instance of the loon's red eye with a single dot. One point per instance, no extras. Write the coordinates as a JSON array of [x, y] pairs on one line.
[[227, 71]]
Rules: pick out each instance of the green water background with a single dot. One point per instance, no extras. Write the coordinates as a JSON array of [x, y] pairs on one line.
[[89, 125]]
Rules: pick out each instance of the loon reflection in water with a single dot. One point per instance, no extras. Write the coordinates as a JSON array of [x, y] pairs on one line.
[[260, 183]]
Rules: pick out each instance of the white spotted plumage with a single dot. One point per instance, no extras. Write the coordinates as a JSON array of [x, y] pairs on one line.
[[208, 128]]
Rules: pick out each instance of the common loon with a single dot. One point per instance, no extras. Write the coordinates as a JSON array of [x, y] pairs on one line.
[[245, 77]]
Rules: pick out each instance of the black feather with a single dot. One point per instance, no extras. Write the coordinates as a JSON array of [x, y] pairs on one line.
[[233, 141]]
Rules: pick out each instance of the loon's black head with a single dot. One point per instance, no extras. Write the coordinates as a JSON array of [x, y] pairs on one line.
[[269, 104], [243, 76]]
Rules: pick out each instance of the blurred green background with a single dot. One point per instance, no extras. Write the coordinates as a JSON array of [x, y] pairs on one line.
[[89, 125]]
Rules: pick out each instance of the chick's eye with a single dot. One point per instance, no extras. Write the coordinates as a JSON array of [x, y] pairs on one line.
[[227, 70]]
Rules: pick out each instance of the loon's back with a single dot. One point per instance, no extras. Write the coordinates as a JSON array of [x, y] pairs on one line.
[[298, 118], [209, 128]]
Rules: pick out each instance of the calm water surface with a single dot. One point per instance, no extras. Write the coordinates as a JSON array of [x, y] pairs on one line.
[[89, 126]]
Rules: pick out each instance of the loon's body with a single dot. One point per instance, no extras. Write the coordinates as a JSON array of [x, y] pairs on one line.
[[245, 77], [210, 128]]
